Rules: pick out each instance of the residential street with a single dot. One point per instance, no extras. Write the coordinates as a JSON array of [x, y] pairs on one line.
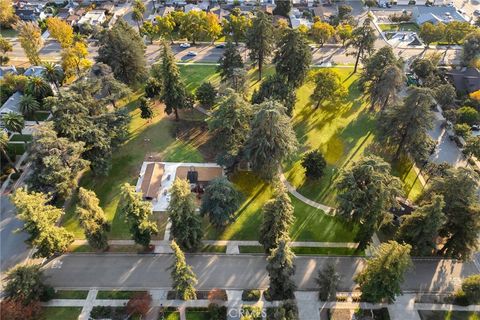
[[231, 272], [13, 247]]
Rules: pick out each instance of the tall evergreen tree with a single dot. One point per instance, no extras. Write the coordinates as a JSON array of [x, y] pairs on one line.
[[277, 219], [183, 278], [137, 214], [25, 283], [462, 211], [40, 220], [173, 92], [328, 280], [293, 57], [362, 39], [220, 202], [260, 40], [275, 87], [229, 122], [229, 61], [420, 229], [186, 223], [365, 194], [271, 140], [56, 162], [385, 90], [281, 268], [123, 50], [405, 126], [384, 272], [328, 87], [92, 219], [374, 66], [283, 7], [146, 111]]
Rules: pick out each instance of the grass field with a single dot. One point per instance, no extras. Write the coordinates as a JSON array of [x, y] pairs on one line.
[[308, 251], [8, 33], [70, 294], [60, 313], [198, 315], [117, 295], [343, 132]]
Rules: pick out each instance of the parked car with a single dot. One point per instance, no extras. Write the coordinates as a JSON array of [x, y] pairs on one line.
[[191, 53], [184, 45], [220, 46]]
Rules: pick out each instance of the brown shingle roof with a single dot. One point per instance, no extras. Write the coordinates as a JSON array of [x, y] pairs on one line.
[[205, 174], [152, 180]]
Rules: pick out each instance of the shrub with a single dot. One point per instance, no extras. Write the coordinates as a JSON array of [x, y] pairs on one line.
[[47, 294], [139, 304], [467, 115], [471, 288], [217, 312], [15, 310], [314, 164], [462, 130], [460, 298], [251, 295], [217, 295]]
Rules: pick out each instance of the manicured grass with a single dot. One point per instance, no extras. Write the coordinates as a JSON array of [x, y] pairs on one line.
[[193, 75], [198, 315], [408, 26], [147, 138], [214, 249], [449, 315], [70, 294], [8, 33], [308, 251], [343, 132], [111, 248], [18, 137], [117, 295], [172, 315], [61, 313]]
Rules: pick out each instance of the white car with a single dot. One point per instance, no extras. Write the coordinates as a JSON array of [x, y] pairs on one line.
[[191, 53], [185, 45]]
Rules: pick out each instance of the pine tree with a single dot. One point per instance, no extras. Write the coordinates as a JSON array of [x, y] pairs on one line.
[[92, 219], [206, 94], [365, 194], [383, 275], [186, 223], [420, 229], [220, 202], [230, 60], [146, 111], [183, 278], [276, 87], [281, 269], [260, 40], [277, 219], [40, 220], [363, 39], [173, 92], [25, 283], [137, 214], [271, 140], [293, 58]]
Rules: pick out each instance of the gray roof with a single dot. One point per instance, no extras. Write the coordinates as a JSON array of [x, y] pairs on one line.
[[465, 80], [437, 14], [12, 104], [34, 71], [7, 69]]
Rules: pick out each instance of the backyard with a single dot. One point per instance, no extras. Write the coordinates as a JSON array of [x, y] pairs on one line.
[[343, 133]]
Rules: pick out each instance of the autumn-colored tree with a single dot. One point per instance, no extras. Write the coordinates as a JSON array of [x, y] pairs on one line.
[[30, 37], [74, 59], [7, 14], [15, 310], [61, 31], [139, 304]]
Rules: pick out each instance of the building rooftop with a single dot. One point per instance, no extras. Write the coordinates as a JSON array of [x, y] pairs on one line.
[[12, 104]]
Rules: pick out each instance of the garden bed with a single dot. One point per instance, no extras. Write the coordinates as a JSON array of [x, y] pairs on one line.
[[117, 295]]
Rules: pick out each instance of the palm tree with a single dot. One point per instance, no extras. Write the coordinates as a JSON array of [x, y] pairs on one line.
[[28, 106], [3, 149], [14, 122], [38, 87], [54, 74]]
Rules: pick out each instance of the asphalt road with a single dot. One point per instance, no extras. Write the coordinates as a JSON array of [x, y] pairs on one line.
[[231, 272], [12, 244]]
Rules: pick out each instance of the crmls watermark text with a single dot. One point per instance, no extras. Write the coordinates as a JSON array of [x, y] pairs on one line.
[[247, 313]]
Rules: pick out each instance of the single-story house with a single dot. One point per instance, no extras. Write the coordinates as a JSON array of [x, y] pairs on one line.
[[436, 14], [34, 71], [220, 13], [191, 7], [4, 70], [163, 11], [152, 180], [465, 80], [94, 17], [11, 105], [109, 7]]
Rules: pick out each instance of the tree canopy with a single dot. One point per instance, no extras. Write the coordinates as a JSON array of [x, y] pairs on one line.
[[260, 39], [281, 268], [183, 278]]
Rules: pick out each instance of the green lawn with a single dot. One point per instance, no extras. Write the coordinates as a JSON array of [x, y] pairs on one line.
[[198, 315], [449, 315], [8, 33], [308, 251], [21, 137], [70, 294], [61, 313], [17, 148], [408, 26], [117, 295], [172, 315], [343, 132]]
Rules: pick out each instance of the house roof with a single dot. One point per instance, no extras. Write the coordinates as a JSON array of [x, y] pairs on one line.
[[437, 14], [6, 70], [152, 180], [163, 11], [465, 79], [34, 71], [12, 104], [205, 174]]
